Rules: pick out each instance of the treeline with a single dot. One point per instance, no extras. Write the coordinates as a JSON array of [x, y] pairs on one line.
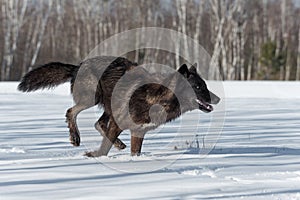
[[247, 39]]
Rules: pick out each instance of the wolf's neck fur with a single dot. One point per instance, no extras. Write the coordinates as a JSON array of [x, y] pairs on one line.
[[168, 100]]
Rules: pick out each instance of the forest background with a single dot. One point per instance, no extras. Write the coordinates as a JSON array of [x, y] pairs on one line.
[[247, 39]]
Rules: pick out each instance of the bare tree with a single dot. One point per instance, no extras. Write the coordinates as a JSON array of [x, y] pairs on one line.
[[182, 24], [44, 21], [13, 14], [233, 32], [298, 58]]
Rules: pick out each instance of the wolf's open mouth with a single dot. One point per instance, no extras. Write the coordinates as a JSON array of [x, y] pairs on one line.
[[205, 107]]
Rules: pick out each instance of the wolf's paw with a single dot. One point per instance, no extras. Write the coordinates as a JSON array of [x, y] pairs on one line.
[[119, 144], [75, 140], [92, 154], [135, 153]]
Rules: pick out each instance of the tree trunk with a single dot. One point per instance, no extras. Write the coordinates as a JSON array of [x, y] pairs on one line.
[[198, 29], [298, 58], [176, 43], [265, 21], [235, 51], [41, 33], [28, 41], [249, 68], [288, 65], [242, 50], [257, 46], [77, 30], [13, 20], [7, 35], [181, 12]]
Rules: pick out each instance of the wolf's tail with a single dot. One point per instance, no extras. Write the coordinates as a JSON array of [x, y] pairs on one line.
[[47, 76]]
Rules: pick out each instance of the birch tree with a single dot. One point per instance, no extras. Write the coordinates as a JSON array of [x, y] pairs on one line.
[[232, 31], [217, 28], [42, 29], [13, 13], [298, 58]]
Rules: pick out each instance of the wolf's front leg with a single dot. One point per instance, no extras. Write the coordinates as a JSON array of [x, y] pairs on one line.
[[136, 143], [101, 126], [108, 140]]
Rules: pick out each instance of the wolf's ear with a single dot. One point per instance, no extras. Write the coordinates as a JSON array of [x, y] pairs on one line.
[[193, 68], [184, 71]]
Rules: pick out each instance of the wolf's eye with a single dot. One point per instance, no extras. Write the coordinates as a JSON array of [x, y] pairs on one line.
[[197, 87]]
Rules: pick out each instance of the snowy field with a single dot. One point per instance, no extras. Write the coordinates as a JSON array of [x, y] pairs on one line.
[[257, 155]]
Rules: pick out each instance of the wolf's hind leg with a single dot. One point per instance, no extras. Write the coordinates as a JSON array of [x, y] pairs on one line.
[[71, 116], [101, 126]]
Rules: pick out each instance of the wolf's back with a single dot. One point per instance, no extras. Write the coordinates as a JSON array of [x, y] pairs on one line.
[[47, 76]]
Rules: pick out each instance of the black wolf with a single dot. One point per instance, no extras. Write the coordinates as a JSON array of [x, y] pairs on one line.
[[138, 108]]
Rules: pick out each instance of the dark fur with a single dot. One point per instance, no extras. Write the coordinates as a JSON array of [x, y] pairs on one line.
[[89, 88], [47, 76]]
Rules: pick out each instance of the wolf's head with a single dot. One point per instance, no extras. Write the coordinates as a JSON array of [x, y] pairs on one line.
[[204, 97]]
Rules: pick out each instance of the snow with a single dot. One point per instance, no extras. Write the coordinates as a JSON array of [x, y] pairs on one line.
[[255, 157]]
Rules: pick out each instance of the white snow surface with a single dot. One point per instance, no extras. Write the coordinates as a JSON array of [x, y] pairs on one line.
[[257, 155]]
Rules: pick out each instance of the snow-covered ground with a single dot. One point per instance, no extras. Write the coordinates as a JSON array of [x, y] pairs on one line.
[[257, 155]]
